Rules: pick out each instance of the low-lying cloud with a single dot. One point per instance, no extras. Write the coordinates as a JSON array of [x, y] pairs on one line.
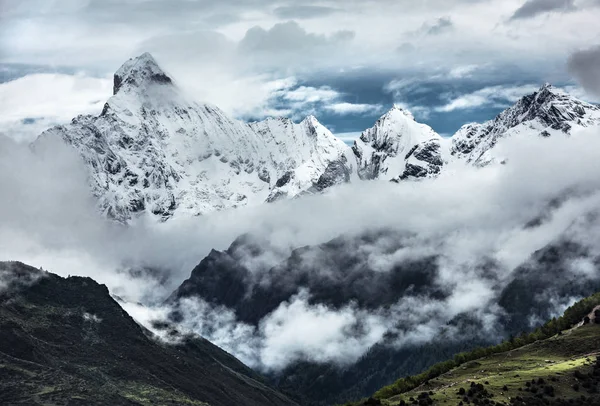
[[35, 102], [472, 220]]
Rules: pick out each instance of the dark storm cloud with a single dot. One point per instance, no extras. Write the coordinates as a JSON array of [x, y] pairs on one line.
[[301, 12], [584, 65], [533, 8], [289, 36]]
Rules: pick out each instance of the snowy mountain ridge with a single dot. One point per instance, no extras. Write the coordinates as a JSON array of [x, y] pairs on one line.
[[398, 148], [547, 112], [154, 150]]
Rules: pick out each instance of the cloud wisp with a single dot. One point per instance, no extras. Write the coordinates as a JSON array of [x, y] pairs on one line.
[[496, 96], [442, 25]]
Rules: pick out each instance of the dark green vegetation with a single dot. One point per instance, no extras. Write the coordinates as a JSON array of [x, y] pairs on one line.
[[223, 279], [314, 384], [67, 342], [528, 294], [556, 364]]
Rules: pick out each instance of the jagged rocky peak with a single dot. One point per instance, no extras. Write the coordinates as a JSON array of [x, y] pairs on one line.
[[553, 107], [547, 112], [138, 71], [397, 123], [153, 150], [312, 124], [397, 147], [398, 110]]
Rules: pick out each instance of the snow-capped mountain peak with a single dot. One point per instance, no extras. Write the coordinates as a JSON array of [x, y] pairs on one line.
[[548, 112], [555, 108], [396, 108], [397, 147], [137, 72], [311, 120], [154, 150]]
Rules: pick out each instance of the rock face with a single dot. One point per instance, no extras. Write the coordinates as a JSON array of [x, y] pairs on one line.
[[547, 112], [398, 148], [67, 341], [252, 279], [154, 150], [336, 273]]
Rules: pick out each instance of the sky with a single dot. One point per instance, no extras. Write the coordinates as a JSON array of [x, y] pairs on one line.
[[448, 61]]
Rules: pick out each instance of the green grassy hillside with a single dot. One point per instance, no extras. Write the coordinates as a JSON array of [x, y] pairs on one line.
[[556, 364]]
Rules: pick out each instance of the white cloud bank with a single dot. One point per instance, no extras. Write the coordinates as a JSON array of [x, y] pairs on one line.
[[48, 219], [33, 103]]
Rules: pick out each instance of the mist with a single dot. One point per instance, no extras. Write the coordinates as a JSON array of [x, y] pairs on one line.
[[467, 218]]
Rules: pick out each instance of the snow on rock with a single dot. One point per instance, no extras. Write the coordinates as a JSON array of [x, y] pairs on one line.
[[310, 152], [153, 150], [547, 112], [399, 148]]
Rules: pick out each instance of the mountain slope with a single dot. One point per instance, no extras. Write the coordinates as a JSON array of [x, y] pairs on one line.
[[66, 341], [547, 112], [154, 150], [336, 273], [253, 280], [399, 148], [551, 366]]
